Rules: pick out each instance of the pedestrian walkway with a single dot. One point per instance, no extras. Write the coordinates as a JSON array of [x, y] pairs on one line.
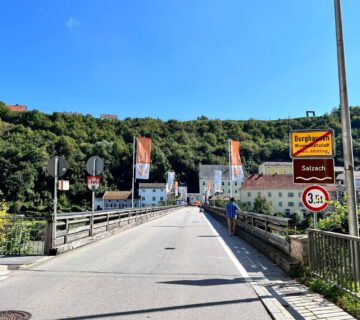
[[283, 297]]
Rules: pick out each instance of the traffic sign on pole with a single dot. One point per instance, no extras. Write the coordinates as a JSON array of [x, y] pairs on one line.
[[312, 144], [57, 166], [93, 182], [94, 165], [317, 170], [315, 198]]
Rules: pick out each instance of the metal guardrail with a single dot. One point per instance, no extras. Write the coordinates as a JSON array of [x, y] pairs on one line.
[[335, 258], [21, 235], [77, 227], [273, 230]]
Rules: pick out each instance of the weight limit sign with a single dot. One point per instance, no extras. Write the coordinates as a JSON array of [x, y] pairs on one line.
[[315, 198]]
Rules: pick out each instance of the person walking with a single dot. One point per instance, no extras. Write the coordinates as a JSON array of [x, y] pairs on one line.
[[231, 209]]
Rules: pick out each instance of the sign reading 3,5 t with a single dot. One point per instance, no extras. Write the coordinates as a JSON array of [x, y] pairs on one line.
[[315, 198], [312, 143]]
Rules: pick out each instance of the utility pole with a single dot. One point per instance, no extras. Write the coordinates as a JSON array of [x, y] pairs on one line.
[[346, 127]]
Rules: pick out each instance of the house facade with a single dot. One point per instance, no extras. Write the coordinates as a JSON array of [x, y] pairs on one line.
[[152, 194], [283, 194], [276, 168], [207, 177], [118, 200]]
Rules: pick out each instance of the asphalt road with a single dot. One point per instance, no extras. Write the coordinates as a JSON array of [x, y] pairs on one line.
[[175, 267]]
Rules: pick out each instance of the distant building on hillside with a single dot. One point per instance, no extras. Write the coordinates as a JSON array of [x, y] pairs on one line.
[[207, 177], [109, 116], [17, 107], [276, 168], [69, 113], [280, 190], [152, 194]]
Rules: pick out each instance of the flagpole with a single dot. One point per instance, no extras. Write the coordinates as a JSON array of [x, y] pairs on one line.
[[230, 171], [133, 175]]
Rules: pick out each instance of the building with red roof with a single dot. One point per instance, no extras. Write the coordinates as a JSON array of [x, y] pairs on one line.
[[281, 191]]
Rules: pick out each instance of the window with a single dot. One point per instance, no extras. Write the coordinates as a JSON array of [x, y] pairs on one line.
[[301, 204], [222, 183], [280, 204], [235, 183], [143, 205], [249, 194], [228, 183], [203, 183], [287, 212], [290, 204], [299, 194], [154, 198], [290, 194], [269, 194], [154, 190], [280, 194], [161, 198], [235, 191], [249, 203], [142, 198]]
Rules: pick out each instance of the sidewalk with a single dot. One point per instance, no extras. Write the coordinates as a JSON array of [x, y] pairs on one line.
[[20, 262], [283, 297]]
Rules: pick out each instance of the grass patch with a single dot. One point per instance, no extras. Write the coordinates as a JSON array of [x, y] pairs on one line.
[[333, 293]]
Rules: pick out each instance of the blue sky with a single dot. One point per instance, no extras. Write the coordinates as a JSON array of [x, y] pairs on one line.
[[177, 59]]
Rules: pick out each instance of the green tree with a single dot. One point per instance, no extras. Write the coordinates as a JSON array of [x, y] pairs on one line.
[[262, 205]]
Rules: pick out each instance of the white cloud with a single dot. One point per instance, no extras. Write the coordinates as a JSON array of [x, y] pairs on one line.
[[72, 23]]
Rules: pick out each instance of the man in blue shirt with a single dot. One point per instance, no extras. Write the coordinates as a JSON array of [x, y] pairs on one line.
[[231, 209]]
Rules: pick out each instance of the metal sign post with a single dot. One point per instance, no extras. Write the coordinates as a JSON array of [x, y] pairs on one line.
[[94, 166], [57, 167], [55, 198]]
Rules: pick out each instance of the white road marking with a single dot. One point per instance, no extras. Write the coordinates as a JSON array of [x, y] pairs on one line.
[[230, 254]]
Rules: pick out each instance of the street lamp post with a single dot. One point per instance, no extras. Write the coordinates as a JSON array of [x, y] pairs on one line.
[[346, 127]]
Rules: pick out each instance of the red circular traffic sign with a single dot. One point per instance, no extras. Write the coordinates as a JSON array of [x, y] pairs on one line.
[[315, 198]]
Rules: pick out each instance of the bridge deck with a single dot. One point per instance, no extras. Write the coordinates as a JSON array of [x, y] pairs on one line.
[[181, 266]]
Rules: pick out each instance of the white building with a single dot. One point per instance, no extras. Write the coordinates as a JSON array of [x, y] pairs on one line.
[[118, 200], [276, 168], [281, 191], [207, 177], [152, 194]]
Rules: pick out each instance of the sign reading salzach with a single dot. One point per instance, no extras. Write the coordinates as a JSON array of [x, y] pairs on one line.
[[312, 143], [313, 170]]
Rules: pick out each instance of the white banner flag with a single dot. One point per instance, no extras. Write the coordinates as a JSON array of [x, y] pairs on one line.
[[143, 153], [170, 181], [217, 180], [236, 167]]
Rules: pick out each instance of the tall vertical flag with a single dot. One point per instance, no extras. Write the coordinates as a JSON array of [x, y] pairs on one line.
[[170, 181], [235, 162], [209, 187], [143, 152], [176, 188], [217, 180]]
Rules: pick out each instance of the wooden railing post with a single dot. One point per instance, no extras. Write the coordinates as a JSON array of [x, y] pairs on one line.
[[49, 245]]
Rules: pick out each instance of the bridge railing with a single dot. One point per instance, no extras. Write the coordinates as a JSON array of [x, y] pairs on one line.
[[271, 229], [76, 229], [20, 235], [335, 258]]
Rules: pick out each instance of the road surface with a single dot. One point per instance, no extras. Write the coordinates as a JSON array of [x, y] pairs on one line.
[[174, 267]]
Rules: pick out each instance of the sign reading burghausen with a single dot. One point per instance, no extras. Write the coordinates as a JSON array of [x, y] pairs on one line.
[[312, 144]]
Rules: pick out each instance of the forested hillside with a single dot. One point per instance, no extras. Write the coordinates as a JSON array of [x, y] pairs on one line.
[[29, 139]]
